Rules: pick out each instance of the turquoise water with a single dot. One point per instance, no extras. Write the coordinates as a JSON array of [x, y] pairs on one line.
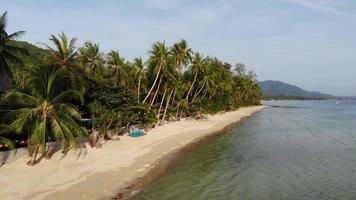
[[307, 151]]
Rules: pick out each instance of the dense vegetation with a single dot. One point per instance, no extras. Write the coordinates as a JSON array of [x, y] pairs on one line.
[[280, 90], [53, 89]]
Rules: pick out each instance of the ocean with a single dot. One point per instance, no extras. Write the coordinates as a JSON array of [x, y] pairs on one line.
[[295, 150]]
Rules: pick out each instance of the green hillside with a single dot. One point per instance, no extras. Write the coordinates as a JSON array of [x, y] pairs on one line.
[[279, 90], [36, 57]]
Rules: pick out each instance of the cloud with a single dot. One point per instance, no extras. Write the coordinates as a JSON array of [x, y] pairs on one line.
[[320, 7]]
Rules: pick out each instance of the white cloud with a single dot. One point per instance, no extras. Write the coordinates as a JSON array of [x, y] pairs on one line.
[[316, 5]]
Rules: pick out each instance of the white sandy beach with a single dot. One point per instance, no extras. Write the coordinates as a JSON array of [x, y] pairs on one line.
[[99, 173]]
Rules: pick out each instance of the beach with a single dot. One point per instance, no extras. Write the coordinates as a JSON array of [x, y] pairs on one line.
[[102, 173]]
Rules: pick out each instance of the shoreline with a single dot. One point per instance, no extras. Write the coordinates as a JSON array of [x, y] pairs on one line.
[[119, 167], [166, 163]]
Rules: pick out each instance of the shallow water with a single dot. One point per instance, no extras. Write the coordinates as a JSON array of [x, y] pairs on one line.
[[306, 152]]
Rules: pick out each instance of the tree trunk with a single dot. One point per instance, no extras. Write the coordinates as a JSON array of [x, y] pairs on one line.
[[154, 83], [191, 87], [138, 89], [165, 110], [157, 90], [177, 112], [32, 161], [206, 91], [160, 106], [198, 92], [174, 95], [48, 152]]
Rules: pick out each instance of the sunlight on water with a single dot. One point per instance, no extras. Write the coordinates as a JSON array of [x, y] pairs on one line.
[[306, 152]]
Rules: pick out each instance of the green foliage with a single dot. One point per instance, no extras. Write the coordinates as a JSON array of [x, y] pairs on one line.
[[44, 109], [174, 82], [3, 140], [114, 107]]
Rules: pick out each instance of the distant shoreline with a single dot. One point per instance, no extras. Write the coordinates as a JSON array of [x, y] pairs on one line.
[[98, 173]]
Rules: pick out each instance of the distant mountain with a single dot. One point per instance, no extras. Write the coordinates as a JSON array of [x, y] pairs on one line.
[[280, 90], [36, 57]]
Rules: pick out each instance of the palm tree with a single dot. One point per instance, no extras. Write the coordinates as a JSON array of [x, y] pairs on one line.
[[116, 63], [196, 68], [90, 56], [64, 52], [182, 54], [8, 50], [139, 64], [158, 59], [63, 55], [45, 110]]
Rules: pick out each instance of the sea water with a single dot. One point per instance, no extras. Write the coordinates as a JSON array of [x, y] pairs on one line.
[[302, 150]]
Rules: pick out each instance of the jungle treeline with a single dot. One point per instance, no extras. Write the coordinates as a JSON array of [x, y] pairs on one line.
[[53, 89]]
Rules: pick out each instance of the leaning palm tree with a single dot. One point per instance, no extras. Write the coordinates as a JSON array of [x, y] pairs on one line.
[[181, 55], [8, 50], [45, 111], [63, 53], [197, 67], [159, 56]]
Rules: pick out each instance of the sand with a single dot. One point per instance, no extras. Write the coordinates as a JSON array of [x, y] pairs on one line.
[[100, 173]]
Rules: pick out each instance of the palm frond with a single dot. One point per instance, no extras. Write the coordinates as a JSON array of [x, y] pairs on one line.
[[20, 98], [68, 95], [15, 35], [3, 21]]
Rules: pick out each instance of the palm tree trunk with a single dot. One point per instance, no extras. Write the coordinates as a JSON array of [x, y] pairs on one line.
[[191, 87], [174, 95], [198, 92], [154, 83], [177, 112], [160, 106], [32, 161], [210, 96], [138, 89], [154, 96], [165, 110], [206, 91]]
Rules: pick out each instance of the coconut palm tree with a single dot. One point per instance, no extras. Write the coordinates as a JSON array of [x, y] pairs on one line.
[[182, 55], [45, 110], [63, 55], [64, 52], [197, 67], [9, 51], [158, 60], [117, 63], [139, 64], [90, 56]]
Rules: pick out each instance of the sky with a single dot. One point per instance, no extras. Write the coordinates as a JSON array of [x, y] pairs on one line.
[[308, 43]]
